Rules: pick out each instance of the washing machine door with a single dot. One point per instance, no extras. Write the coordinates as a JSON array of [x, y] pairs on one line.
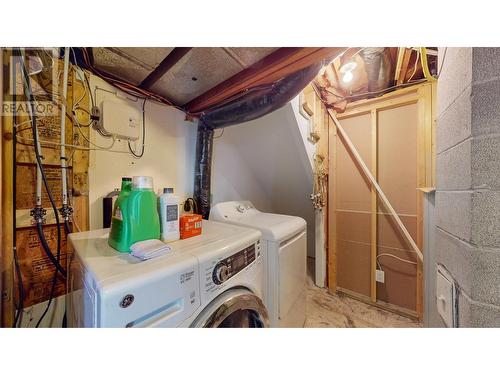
[[235, 308]]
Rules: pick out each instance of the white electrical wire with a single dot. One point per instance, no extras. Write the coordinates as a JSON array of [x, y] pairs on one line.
[[393, 256], [76, 105], [415, 68], [74, 221], [22, 123], [92, 143], [76, 225], [71, 146]]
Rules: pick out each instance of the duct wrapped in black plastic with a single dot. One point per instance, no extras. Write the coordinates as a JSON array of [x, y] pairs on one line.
[[258, 102], [203, 169], [255, 103]]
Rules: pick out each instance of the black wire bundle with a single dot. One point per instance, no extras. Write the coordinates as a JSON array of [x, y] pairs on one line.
[[20, 286]]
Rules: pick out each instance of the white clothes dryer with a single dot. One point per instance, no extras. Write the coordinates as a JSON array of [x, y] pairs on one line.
[[284, 244]]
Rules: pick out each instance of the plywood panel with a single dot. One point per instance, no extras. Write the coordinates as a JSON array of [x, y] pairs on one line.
[[49, 130], [26, 185], [397, 157], [388, 233], [353, 266], [353, 206], [397, 175], [400, 285], [353, 188], [36, 268], [354, 226]]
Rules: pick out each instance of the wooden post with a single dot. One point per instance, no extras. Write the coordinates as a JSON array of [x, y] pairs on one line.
[[7, 206], [332, 206], [80, 160], [425, 175], [373, 242], [1, 187]]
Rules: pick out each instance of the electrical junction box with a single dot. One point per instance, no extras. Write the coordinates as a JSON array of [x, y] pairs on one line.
[[380, 276], [446, 297], [122, 121]]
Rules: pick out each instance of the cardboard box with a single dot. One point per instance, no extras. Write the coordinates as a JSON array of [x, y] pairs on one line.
[[190, 225]]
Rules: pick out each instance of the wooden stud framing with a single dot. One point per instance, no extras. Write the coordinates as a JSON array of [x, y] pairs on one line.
[[392, 101], [373, 244], [421, 167], [404, 66], [7, 206], [1, 185], [399, 62], [332, 206], [425, 173], [424, 95], [324, 151], [433, 135], [80, 161]]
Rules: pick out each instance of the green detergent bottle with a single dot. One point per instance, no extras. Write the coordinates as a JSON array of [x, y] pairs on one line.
[[135, 216]]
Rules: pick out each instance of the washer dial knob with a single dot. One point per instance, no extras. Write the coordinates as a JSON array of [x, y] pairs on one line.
[[221, 273]]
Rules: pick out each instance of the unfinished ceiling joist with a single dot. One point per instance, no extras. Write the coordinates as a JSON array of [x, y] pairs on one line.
[[277, 65], [167, 63]]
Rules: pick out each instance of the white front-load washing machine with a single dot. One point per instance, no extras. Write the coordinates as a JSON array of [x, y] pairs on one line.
[[284, 244], [211, 280]]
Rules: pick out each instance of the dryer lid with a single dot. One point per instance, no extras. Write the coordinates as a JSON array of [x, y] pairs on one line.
[[274, 227]]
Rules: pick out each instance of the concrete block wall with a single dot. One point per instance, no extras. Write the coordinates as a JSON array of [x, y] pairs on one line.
[[467, 232]]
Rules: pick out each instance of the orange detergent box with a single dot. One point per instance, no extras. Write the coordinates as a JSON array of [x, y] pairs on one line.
[[190, 225]]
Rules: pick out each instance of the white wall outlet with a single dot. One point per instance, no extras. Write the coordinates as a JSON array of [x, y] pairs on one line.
[[380, 276]]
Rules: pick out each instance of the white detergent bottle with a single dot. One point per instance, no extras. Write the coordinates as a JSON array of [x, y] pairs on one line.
[[169, 215]]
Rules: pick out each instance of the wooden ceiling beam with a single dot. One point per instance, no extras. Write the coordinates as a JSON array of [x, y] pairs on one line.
[[276, 65], [167, 63], [399, 63]]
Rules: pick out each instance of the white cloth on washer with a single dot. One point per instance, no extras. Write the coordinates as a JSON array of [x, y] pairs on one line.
[[149, 249]]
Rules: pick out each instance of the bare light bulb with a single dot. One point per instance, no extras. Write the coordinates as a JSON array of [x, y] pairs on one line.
[[348, 76]]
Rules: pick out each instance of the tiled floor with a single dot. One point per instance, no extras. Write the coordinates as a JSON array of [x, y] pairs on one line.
[[327, 310]]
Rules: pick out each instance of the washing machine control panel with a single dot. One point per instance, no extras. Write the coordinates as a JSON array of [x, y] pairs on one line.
[[227, 268]]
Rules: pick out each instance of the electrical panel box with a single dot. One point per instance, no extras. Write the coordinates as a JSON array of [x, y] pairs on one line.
[[120, 120]]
